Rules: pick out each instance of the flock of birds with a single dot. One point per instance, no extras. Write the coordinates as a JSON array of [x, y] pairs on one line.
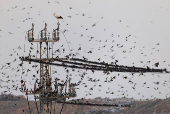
[[19, 70]]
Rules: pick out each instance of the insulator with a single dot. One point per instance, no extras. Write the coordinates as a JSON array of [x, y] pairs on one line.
[[41, 34], [28, 34], [66, 88], [35, 87], [54, 34], [58, 33]]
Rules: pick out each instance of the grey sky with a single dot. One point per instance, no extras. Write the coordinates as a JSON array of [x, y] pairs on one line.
[[147, 23]]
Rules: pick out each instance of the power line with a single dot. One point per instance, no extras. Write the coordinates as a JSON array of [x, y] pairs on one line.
[[92, 104], [62, 107], [107, 68], [28, 103], [36, 105]]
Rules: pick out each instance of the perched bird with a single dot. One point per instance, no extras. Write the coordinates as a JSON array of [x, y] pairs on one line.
[[8, 63], [57, 16], [156, 64]]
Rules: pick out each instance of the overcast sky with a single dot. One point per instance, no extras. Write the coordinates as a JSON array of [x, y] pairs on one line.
[[145, 23]]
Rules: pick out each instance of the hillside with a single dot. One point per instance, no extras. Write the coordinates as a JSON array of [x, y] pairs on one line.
[[10, 104]]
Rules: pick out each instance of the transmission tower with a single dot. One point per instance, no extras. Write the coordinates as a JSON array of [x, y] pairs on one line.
[[46, 94]]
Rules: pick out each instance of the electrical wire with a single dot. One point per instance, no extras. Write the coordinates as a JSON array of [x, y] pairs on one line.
[[36, 105], [100, 68], [54, 107], [92, 104], [28, 103], [67, 43], [62, 107]]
